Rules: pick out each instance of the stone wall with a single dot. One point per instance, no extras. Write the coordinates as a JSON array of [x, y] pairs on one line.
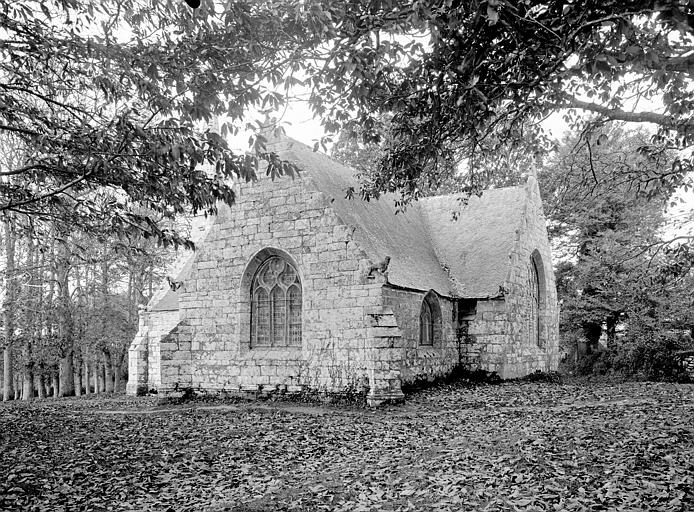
[[488, 336], [522, 355], [358, 332], [483, 344], [144, 355], [422, 362], [289, 217]]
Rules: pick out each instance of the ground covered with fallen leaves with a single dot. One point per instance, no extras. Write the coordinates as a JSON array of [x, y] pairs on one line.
[[511, 446]]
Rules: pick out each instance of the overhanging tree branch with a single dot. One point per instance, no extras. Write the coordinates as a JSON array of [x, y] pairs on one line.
[[11, 205], [614, 114]]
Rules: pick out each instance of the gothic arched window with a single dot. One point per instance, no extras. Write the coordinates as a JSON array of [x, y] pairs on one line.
[[426, 325], [429, 320], [276, 305], [534, 303]]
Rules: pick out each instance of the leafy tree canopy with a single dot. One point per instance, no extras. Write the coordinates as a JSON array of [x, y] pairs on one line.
[[106, 95], [460, 78]]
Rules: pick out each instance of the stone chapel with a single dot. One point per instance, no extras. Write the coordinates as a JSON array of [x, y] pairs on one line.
[[297, 288]]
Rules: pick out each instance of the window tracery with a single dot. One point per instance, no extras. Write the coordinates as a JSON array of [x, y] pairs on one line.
[[276, 305], [429, 320]]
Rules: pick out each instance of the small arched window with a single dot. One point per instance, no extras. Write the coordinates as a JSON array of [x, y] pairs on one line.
[[533, 304], [276, 305], [429, 320], [426, 325]]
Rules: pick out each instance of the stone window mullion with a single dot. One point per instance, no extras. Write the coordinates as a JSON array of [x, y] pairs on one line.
[[275, 321]]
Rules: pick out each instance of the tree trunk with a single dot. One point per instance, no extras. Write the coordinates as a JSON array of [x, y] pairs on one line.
[[117, 377], [78, 377], [96, 376], [7, 392], [30, 327], [65, 324], [56, 385], [67, 383], [108, 372], [102, 379], [17, 387], [87, 390], [42, 386], [9, 309], [28, 385]]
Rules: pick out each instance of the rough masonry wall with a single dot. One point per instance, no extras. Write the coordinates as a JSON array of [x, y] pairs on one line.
[[522, 355], [337, 353], [422, 362], [144, 354], [160, 324], [488, 337]]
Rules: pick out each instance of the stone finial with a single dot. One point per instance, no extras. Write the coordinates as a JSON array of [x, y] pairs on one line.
[[272, 131], [531, 185]]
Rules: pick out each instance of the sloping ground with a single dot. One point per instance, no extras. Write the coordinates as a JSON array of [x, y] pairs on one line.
[[514, 446]]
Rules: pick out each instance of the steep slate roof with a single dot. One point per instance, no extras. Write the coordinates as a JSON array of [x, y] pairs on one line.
[[476, 247], [468, 257]]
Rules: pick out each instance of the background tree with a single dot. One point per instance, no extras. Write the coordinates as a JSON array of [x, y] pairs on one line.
[[615, 276], [74, 309]]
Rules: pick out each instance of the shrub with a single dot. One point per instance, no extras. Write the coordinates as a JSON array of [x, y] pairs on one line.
[[649, 355]]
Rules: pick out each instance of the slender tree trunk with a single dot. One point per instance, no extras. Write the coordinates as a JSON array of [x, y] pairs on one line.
[[105, 311], [49, 319], [66, 326], [87, 390], [78, 377], [56, 385], [38, 278], [17, 387], [102, 379], [30, 326], [42, 385], [117, 378], [9, 310], [108, 372], [96, 376], [7, 393]]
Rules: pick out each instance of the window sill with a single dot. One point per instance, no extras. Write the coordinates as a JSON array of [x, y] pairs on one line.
[[271, 352]]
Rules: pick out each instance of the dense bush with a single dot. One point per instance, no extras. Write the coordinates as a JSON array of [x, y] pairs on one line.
[[651, 356]]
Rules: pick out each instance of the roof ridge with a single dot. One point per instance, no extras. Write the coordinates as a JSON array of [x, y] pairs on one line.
[[456, 194]]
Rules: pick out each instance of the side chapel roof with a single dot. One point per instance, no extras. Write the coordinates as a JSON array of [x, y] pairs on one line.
[[467, 257]]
